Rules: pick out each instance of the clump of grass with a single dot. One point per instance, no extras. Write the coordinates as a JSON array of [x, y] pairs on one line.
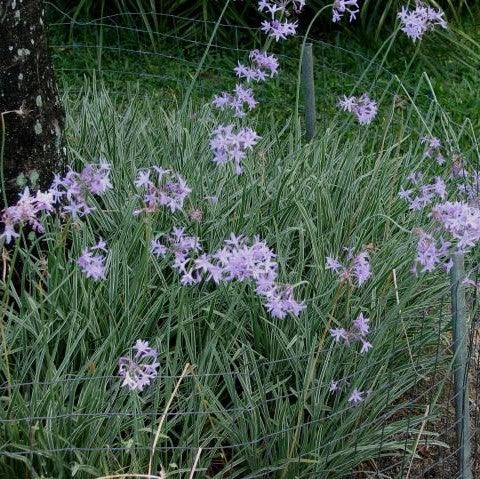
[[257, 400]]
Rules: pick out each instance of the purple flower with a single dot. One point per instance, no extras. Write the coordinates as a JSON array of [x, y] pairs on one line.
[[26, 211], [405, 194], [415, 23], [366, 346], [333, 264], [340, 7], [96, 178], [334, 387], [356, 397], [338, 334], [279, 30], [461, 221], [429, 253], [157, 249], [242, 96], [355, 271], [426, 193], [433, 145], [240, 259], [92, 261], [363, 107], [361, 267], [280, 302], [357, 333], [263, 64], [230, 146], [274, 6], [361, 325], [72, 190], [139, 371], [168, 189]]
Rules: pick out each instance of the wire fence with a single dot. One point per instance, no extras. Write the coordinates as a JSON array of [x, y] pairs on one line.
[[121, 50], [249, 428], [415, 428]]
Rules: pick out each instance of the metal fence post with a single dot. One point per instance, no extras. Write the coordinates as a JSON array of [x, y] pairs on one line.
[[460, 367], [309, 91]]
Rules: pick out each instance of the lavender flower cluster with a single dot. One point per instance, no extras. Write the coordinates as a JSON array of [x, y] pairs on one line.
[[141, 369], [240, 259], [229, 142], [431, 252], [92, 261], [262, 65], [357, 333], [274, 26], [434, 149], [363, 108], [69, 192], [241, 98], [416, 22], [461, 221], [355, 270], [230, 145], [166, 188], [419, 195], [341, 7], [27, 211], [456, 224]]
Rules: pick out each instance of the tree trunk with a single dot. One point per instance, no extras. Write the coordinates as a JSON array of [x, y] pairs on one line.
[[32, 118]]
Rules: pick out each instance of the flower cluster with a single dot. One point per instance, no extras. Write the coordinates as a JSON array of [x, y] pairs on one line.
[[241, 97], [278, 29], [162, 188], [355, 397], [431, 253], [363, 107], [240, 259], [72, 189], [274, 6], [426, 194], [92, 261], [356, 270], [139, 371], [262, 66], [471, 188], [415, 23], [357, 333], [183, 248], [229, 145], [434, 146], [26, 211], [456, 224], [275, 27], [340, 7], [461, 221]]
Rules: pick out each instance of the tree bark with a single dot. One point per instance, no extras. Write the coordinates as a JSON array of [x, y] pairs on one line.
[[32, 118]]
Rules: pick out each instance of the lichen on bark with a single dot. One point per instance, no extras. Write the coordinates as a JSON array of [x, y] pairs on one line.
[[32, 117]]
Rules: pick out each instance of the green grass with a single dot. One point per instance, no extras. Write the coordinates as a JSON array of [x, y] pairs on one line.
[[164, 62], [260, 386]]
